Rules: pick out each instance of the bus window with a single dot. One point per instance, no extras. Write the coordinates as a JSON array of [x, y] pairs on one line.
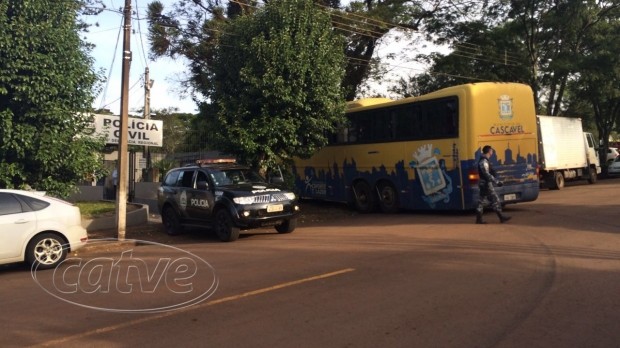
[[382, 126], [405, 122]]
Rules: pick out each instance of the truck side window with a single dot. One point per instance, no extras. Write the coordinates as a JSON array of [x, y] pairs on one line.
[[590, 142]]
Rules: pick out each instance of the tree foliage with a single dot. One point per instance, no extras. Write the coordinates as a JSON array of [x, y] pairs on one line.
[[192, 29], [537, 42], [46, 91], [598, 81], [276, 82], [271, 74], [182, 132]]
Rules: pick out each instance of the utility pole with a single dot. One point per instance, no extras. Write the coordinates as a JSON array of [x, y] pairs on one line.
[[121, 198], [148, 83]]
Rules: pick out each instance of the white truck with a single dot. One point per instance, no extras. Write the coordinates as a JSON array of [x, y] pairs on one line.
[[566, 151]]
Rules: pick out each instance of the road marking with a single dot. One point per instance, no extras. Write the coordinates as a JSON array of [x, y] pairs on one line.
[[206, 304]]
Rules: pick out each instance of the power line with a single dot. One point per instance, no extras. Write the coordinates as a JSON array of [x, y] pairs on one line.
[[141, 41], [119, 98], [107, 84]]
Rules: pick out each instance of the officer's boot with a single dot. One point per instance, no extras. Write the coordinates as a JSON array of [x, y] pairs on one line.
[[479, 218], [503, 218]]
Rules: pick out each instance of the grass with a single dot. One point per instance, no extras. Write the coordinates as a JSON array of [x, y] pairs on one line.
[[94, 209]]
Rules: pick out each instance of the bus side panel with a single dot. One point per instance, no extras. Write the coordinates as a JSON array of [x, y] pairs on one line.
[[425, 173]]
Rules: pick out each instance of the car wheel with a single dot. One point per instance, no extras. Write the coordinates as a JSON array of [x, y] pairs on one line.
[[388, 198], [364, 197], [46, 250], [224, 228], [287, 226], [170, 219]]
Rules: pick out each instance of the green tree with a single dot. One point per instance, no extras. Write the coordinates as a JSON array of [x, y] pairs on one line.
[[598, 82], [185, 30], [537, 42], [179, 131], [276, 83], [46, 92]]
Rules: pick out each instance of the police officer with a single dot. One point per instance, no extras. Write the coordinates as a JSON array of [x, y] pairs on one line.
[[488, 178]]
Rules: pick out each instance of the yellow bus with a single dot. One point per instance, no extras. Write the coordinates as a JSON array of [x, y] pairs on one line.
[[421, 152]]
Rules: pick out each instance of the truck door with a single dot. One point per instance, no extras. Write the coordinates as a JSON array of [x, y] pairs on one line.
[[591, 152]]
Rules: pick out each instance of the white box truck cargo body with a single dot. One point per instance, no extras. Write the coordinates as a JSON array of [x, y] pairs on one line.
[[566, 152]]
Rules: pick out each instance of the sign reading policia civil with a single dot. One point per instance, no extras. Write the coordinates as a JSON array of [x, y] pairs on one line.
[[140, 131]]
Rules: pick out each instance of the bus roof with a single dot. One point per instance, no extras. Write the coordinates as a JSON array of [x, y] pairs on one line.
[[381, 102], [360, 103]]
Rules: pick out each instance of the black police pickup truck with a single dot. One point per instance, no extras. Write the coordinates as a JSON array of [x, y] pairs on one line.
[[225, 195]]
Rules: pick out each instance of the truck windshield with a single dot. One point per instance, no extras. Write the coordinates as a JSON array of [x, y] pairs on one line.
[[235, 176]]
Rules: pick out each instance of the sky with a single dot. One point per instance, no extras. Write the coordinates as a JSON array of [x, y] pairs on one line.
[[166, 91]]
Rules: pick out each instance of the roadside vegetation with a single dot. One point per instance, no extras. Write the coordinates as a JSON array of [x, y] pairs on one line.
[[95, 209]]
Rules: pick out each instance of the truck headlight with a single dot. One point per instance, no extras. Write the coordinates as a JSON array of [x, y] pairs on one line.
[[244, 200], [289, 195]]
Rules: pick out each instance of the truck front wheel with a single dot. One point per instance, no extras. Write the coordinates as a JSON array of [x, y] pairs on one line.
[[592, 179]]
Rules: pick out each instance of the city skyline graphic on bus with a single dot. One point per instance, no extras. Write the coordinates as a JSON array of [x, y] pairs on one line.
[[432, 185]]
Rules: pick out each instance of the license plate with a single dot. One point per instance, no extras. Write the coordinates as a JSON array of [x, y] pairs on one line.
[[510, 197], [275, 208]]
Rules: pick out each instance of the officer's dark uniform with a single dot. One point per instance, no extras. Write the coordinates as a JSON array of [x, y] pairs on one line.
[[488, 178]]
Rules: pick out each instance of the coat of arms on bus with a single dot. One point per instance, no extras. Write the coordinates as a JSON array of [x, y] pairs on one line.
[[436, 184], [505, 107]]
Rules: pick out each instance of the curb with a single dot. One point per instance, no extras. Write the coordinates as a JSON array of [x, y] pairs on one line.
[[134, 218]]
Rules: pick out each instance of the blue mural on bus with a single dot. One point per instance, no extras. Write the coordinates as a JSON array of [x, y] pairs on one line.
[[432, 187]]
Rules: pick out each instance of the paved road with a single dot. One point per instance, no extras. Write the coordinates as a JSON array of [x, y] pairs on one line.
[[549, 278]]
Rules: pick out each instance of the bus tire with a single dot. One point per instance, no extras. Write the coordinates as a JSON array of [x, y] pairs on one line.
[[364, 197], [388, 198]]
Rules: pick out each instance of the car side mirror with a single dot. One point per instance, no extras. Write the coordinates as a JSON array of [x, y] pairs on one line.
[[202, 185]]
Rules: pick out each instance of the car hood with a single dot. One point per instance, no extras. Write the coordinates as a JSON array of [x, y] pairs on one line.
[[250, 189]]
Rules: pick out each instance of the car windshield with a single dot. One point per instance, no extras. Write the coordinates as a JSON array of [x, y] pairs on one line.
[[235, 176]]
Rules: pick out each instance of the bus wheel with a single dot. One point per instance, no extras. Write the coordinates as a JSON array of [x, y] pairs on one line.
[[364, 197], [388, 198]]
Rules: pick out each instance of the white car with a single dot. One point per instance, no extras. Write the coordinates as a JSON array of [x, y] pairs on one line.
[[614, 167], [38, 229], [612, 154]]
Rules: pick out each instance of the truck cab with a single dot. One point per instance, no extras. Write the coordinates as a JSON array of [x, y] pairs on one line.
[[592, 153]]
